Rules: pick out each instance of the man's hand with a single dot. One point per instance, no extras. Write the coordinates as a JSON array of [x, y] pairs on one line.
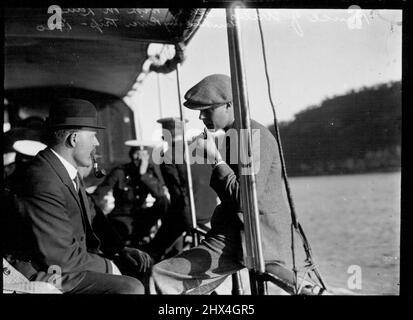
[[149, 201], [166, 192], [140, 259], [107, 203], [205, 144], [144, 161]]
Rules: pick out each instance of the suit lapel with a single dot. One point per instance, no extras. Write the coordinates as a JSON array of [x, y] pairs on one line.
[[61, 171], [91, 238], [82, 193]]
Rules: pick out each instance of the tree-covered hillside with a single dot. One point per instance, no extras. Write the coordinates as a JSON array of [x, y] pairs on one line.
[[356, 132]]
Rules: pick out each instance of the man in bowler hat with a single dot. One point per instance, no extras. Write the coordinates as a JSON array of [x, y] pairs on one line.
[[201, 269], [58, 215]]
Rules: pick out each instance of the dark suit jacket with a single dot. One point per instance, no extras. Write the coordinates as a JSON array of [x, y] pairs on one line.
[[51, 209], [176, 182], [274, 214], [175, 175]]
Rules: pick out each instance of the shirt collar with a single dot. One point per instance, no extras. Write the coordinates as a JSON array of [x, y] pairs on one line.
[[231, 126], [71, 170]]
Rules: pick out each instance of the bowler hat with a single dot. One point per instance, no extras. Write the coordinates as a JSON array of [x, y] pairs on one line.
[[73, 113], [211, 91]]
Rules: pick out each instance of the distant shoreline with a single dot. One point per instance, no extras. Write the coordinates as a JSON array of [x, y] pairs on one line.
[[386, 170]]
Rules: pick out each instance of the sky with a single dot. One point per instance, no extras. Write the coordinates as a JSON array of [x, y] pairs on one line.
[[312, 54]]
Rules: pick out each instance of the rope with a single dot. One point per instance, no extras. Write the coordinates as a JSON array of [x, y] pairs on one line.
[[295, 225]]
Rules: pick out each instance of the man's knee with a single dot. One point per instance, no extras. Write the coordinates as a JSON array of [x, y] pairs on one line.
[[155, 270], [103, 283], [129, 285], [158, 271], [156, 281]]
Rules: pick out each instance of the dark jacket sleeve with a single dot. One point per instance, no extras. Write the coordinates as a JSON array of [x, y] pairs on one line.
[[108, 184], [151, 182], [110, 240], [175, 179], [45, 208], [158, 173], [226, 183]]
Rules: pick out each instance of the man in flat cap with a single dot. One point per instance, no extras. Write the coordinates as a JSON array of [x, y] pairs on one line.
[[61, 246], [201, 269]]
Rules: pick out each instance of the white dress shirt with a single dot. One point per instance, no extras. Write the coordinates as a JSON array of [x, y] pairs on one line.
[[71, 170]]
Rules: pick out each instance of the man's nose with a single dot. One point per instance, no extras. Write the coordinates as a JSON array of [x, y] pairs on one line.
[[96, 142]]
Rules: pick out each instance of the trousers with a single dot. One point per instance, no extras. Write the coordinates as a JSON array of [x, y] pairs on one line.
[[135, 225], [103, 283], [199, 270], [202, 269]]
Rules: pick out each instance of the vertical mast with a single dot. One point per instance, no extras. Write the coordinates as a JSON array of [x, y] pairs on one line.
[[249, 204]]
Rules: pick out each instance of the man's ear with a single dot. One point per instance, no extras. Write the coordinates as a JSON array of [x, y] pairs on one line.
[[71, 139]]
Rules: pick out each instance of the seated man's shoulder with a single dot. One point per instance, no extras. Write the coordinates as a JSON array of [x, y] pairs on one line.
[[39, 172], [38, 169]]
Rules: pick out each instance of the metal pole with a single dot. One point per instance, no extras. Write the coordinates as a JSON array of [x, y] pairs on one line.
[[159, 95], [249, 203], [187, 162]]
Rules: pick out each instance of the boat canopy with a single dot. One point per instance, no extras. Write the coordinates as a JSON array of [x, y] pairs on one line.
[[97, 55], [97, 49]]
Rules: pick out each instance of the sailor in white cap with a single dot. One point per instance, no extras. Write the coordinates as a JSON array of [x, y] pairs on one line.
[[131, 184]]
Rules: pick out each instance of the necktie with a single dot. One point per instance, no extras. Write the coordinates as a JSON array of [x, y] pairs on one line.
[[83, 201], [90, 236], [77, 183]]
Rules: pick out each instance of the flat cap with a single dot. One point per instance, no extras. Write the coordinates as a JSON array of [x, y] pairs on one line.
[[211, 91]]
